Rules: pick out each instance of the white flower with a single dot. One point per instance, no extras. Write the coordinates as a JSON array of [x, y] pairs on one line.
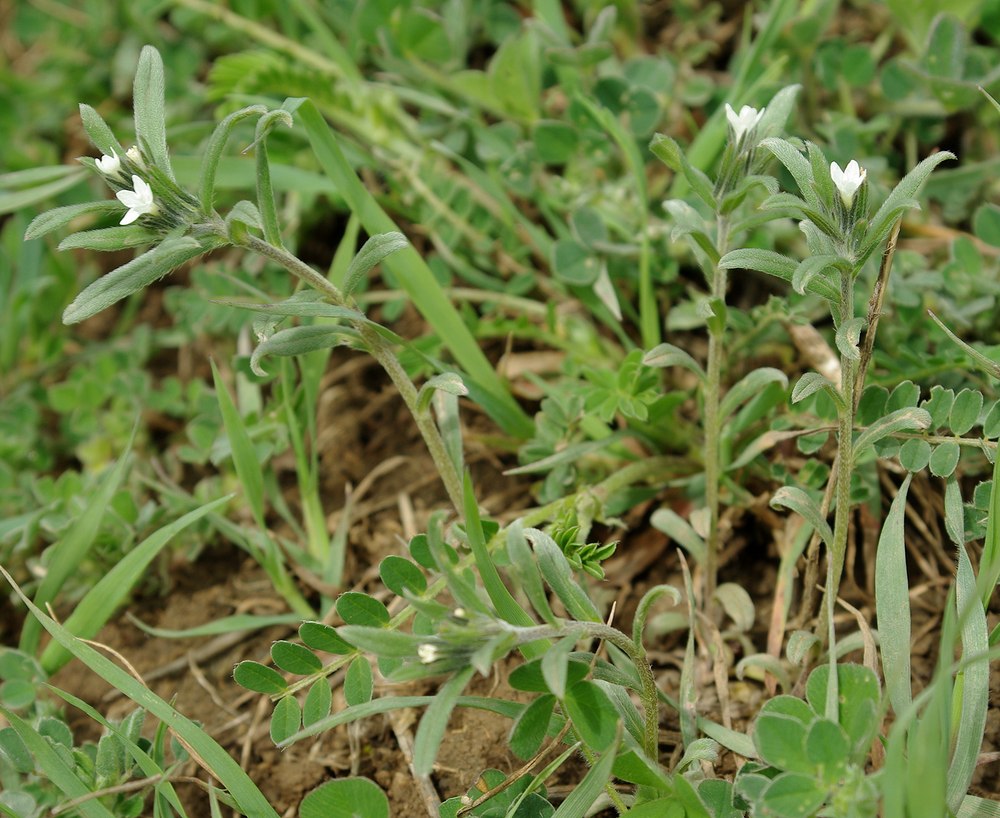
[[109, 165], [134, 154], [428, 653], [746, 120], [848, 180], [138, 201]]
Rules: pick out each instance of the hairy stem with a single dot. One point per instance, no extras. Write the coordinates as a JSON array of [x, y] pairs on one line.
[[381, 352], [713, 427], [845, 461]]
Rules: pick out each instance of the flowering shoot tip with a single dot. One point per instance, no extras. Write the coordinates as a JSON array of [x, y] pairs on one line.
[[139, 200], [109, 165], [743, 122], [848, 180], [428, 653]]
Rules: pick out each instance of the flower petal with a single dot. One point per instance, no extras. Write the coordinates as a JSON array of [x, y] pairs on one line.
[[130, 217]]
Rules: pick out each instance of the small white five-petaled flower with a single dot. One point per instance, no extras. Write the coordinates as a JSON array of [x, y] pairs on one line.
[[744, 121], [139, 201], [428, 653], [848, 180], [109, 165]]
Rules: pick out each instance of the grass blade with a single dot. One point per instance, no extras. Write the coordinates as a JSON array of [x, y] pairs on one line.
[[149, 767], [435, 721], [216, 760], [103, 599], [415, 276]]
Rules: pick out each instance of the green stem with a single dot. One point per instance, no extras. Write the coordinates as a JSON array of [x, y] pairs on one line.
[[381, 351], [845, 461], [713, 427]]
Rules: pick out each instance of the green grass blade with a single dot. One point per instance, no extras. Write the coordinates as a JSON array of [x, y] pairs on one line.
[[432, 726], [101, 601], [974, 807], [413, 273], [53, 767], [226, 624], [501, 707], [892, 603], [219, 762], [72, 549]]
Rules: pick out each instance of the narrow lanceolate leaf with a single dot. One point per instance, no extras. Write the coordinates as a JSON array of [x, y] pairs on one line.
[[800, 502], [374, 250], [524, 569], [110, 238], [901, 198], [558, 573], [775, 264], [814, 266], [299, 308], [213, 153], [902, 420], [848, 335], [150, 117], [101, 601], [132, 277], [99, 132], [797, 165], [503, 601], [673, 525], [435, 721], [976, 686], [298, 341], [892, 602], [748, 387], [813, 382], [670, 153], [250, 800], [45, 223], [664, 355]]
